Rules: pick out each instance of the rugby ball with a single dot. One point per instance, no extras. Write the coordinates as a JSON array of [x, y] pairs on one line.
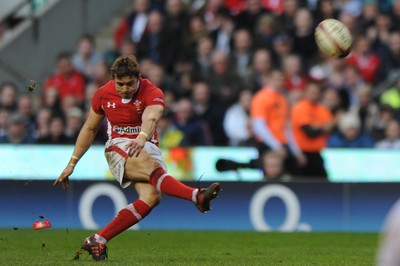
[[333, 38]]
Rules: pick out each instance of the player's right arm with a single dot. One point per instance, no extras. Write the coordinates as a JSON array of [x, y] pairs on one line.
[[84, 141], [259, 112]]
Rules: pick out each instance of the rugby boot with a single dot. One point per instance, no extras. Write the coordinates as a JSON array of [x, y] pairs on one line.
[[206, 195], [96, 249]]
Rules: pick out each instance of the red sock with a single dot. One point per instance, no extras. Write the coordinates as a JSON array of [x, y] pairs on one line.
[[126, 217], [170, 186]]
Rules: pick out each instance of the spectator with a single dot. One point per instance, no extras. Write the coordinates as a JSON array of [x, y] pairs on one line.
[[159, 78], [4, 117], [295, 80], [282, 47], [152, 44], [252, 141], [364, 59], [277, 7], [51, 100], [379, 34], [208, 110], [303, 37], [332, 101], [67, 80], [368, 16], [261, 65], [392, 137], [56, 135], [335, 70], [101, 136], [89, 92], [26, 109], [351, 7], [195, 132], [134, 24], [386, 115], [127, 47], [273, 167], [395, 14], [391, 97], [146, 65], [352, 80], [176, 25], [312, 123], [101, 73], [197, 31], [236, 119], [209, 13], [43, 118], [287, 17], [325, 9], [249, 17], [384, 5], [390, 55], [86, 58], [168, 134], [185, 80], [74, 121], [350, 134], [69, 102], [349, 21], [222, 36], [8, 95], [242, 52], [366, 110], [203, 57], [265, 31], [269, 115], [224, 83], [17, 131]]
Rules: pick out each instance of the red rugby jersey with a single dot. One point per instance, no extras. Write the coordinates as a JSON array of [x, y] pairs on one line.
[[124, 118]]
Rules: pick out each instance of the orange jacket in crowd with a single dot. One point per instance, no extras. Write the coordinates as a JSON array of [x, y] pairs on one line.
[[273, 107], [308, 113]]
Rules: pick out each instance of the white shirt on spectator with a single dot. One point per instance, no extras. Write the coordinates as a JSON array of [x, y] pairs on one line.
[[388, 144], [138, 27], [235, 124]]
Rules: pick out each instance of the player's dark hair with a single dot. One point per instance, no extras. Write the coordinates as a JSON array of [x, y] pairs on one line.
[[125, 66]]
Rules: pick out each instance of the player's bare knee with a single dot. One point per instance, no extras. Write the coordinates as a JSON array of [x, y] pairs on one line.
[[151, 197]]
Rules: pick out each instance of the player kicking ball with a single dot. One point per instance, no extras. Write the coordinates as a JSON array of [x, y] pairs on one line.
[[132, 106]]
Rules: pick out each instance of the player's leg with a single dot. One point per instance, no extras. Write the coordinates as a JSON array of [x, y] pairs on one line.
[[149, 197], [146, 168]]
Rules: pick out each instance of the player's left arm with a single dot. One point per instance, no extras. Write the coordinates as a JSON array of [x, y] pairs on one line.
[[150, 117]]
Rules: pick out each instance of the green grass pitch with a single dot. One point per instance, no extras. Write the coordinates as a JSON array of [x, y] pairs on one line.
[[58, 247]]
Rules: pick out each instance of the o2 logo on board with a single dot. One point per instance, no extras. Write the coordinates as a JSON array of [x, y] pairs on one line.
[[289, 199]]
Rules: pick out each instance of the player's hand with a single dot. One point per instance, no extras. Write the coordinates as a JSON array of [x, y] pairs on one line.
[[63, 178], [135, 146]]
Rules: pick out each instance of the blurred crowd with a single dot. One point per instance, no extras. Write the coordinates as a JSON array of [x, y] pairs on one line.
[[211, 57]]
